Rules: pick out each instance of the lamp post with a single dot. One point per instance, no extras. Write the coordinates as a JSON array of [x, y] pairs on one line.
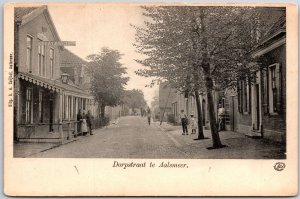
[[65, 78]]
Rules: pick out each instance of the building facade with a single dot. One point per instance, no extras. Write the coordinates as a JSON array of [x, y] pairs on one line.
[[165, 98], [45, 100], [262, 104]]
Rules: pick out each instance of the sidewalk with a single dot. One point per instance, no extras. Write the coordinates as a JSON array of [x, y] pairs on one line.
[[26, 149], [238, 145]]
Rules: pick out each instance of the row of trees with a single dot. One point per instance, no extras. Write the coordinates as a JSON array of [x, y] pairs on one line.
[[199, 49], [108, 81], [134, 99]]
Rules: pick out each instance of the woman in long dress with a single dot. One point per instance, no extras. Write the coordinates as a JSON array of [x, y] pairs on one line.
[[84, 128], [193, 124]]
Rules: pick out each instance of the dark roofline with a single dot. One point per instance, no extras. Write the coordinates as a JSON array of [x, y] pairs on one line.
[[276, 29], [276, 33], [73, 54]]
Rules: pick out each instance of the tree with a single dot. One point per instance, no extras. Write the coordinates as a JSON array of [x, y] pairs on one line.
[[107, 77], [134, 99], [198, 49]]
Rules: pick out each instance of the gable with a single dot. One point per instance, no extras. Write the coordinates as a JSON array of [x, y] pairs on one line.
[[35, 15]]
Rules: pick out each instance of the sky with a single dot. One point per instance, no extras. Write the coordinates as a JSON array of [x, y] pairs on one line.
[[94, 26]]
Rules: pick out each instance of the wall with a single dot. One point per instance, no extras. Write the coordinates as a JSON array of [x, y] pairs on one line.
[[275, 125], [33, 28], [166, 96], [113, 112]]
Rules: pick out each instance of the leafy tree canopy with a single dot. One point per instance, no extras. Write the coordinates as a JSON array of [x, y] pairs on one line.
[[182, 41], [107, 76], [134, 99]]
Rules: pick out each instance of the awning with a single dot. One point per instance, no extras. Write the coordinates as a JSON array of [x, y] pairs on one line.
[[49, 84], [55, 85]]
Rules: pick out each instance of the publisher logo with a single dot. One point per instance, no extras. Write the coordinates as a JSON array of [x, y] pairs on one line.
[[279, 166]]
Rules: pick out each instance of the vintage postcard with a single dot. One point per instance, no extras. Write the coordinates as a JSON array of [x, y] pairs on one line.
[[150, 99]]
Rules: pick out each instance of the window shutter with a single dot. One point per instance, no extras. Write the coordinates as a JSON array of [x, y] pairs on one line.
[[265, 92], [250, 102], [239, 96], [278, 85]]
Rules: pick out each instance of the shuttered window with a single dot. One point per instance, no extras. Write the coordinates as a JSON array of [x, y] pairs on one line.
[[51, 54], [29, 53], [244, 96], [274, 88], [28, 109], [41, 106]]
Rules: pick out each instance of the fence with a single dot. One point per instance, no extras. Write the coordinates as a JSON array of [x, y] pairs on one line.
[[99, 122], [54, 132]]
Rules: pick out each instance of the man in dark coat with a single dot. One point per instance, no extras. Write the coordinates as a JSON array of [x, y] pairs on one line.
[[89, 118], [79, 119]]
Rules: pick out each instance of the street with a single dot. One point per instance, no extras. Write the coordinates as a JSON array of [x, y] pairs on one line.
[[132, 137]]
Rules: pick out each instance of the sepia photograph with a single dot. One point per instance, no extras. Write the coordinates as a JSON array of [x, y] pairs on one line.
[[128, 83], [172, 82]]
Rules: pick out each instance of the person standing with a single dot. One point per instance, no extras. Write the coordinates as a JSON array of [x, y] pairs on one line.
[[221, 117], [184, 122], [149, 116], [79, 120], [84, 128], [88, 118], [193, 124]]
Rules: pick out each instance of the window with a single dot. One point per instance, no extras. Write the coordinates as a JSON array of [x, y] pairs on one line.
[[29, 52], [41, 107], [41, 59], [66, 111], [70, 107], [265, 91], [274, 88], [244, 96], [63, 107], [51, 63], [174, 107], [28, 111]]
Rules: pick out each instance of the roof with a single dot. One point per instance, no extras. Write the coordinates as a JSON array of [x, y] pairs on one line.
[[20, 12], [72, 64], [23, 15], [278, 27], [273, 38], [69, 59]]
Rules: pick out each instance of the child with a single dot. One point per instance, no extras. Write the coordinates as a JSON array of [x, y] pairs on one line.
[[193, 124], [84, 129]]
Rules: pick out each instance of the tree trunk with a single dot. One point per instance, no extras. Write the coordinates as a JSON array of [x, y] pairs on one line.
[[208, 83], [199, 112], [212, 115], [102, 110]]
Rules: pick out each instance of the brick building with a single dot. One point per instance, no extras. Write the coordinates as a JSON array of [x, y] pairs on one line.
[[45, 97], [165, 96], [262, 104], [171, 102]]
